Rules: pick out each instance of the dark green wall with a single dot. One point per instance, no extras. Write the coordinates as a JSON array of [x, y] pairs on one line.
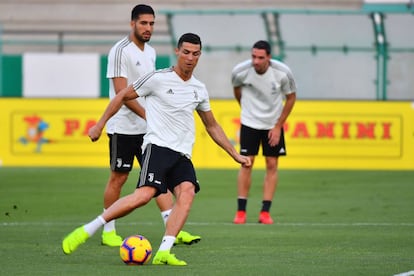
[[104, 80], [12, 81]]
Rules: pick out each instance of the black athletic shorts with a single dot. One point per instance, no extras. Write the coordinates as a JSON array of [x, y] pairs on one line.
[[250, 140], [164, 169], [122, 150]]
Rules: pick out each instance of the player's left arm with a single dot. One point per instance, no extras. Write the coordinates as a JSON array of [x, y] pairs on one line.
[[274, 133], [219, 137]]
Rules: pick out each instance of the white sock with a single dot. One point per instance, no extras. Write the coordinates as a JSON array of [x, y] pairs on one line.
[[167, 243], [165, 215], [109, 226], [94, 225]]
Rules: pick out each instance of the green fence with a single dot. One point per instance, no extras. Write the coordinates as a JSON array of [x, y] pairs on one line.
[[365, 54]]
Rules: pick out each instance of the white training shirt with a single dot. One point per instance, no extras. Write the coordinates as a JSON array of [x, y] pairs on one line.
[[170, 105], [126, 60], [262, 95]]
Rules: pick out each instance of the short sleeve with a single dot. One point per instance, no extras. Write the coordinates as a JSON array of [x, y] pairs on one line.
[[117, 64]]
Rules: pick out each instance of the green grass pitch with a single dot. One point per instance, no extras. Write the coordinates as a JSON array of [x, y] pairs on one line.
[[327, 223]]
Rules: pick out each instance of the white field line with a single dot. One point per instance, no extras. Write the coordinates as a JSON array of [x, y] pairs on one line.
[[408, 273], [286, 224]]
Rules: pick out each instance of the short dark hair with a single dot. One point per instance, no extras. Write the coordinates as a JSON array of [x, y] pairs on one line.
[[141, 9], [263, 45], [189, 37]]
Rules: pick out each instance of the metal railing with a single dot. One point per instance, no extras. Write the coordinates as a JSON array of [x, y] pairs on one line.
[[62, 39]]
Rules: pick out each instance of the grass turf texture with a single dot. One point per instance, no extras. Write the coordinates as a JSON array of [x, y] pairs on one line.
[[327, 223]]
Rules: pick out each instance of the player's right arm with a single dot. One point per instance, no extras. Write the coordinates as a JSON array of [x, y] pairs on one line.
[[114, 105], [238, 75], [237, 93], [119, 84]]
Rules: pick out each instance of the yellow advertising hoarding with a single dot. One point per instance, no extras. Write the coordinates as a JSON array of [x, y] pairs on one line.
[[50, 132], [319, 135]]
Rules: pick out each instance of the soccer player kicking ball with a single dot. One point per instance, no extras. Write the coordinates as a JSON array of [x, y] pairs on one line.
[[171, 95], [129, 59]]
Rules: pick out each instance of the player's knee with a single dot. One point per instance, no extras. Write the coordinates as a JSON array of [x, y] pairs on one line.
[[143, 195], [185, 193], [118, 179]]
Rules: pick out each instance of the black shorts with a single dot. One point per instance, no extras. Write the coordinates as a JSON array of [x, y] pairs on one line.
[[250, 140], [164, 169], [122, 150]]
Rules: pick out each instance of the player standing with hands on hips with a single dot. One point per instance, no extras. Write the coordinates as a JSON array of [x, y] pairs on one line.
[[260, 85], [129, 59], [171, 97]]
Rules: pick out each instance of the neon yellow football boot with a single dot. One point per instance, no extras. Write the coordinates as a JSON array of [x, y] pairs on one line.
[[184, 237], [111, 239], [164, 257], [71, 242]]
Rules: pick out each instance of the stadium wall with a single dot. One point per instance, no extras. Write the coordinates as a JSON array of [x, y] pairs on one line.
[[18, 74], [341, 54], [319, 135]]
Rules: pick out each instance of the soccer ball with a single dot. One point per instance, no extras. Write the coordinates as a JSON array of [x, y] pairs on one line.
[[135, 250]]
